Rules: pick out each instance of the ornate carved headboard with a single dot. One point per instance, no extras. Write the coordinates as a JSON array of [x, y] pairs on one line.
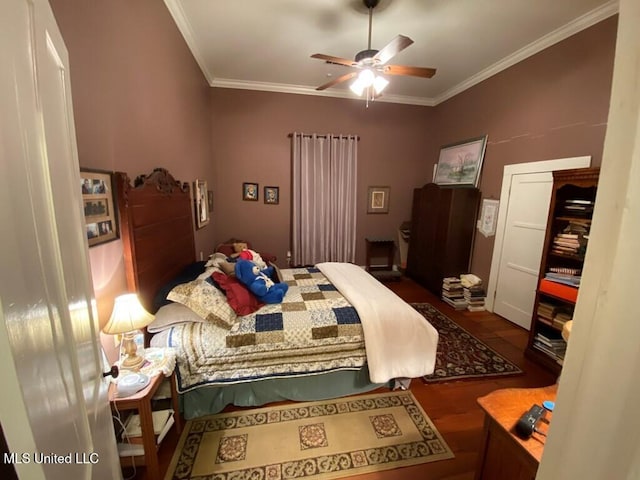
[[156, 223]]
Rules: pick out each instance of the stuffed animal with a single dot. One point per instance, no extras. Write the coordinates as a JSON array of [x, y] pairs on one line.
[[259, 281]]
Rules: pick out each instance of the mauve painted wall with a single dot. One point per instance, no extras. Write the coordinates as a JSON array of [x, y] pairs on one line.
[[553, 105], [140, 101], [251, 144]]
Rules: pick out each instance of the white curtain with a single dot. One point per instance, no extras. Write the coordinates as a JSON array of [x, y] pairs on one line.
[[324, 198]]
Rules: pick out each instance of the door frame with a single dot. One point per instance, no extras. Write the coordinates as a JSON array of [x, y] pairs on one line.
[[508, 173]]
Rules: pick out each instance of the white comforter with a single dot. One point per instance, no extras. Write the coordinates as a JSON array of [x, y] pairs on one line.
[[399, 341]]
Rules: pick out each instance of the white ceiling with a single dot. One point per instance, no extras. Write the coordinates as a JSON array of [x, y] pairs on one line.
[[266, 44]]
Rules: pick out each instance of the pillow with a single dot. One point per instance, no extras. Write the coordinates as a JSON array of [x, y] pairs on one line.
[[172, 314], [239, 297], [189, 273], [205, 300]]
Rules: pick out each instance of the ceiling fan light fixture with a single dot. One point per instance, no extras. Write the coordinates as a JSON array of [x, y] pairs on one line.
[[367, 77], [379, 84], [357, 87]]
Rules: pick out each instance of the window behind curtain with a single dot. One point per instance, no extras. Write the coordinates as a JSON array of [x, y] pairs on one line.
[[324, 198]]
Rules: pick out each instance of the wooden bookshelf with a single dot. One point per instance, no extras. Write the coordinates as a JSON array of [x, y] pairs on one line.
[[572, 201]]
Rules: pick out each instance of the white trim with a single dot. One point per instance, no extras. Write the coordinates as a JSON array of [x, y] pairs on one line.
[[304, 90], [585, 21], [175, 8], [507, 177]]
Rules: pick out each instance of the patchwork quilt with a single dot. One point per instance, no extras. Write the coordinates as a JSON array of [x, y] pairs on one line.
[[314, 330]]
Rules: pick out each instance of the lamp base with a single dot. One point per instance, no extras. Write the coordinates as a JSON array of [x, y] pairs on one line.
[[132, 362]]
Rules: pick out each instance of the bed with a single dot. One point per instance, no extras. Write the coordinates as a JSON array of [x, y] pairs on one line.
[[337, 332]]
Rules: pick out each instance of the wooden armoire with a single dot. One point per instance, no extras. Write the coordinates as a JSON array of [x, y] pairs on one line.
[[443, 221]]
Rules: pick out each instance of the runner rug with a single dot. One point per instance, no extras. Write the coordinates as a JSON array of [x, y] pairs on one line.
[[460, 354], [313, 440]]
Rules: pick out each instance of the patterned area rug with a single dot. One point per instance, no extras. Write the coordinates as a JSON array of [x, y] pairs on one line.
[[460, 354], [315, 440]]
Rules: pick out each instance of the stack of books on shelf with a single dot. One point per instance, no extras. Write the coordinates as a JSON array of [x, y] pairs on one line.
[[554, 347], [566, 276], [473, 292], [572, 240], [452, 293], [561, 318], [577, 207], [553, 315], [546, 311]]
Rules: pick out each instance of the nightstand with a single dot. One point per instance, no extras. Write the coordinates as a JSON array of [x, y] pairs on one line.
[[142, 403]]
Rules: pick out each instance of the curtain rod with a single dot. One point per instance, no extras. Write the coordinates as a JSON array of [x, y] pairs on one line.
[[323, 136]]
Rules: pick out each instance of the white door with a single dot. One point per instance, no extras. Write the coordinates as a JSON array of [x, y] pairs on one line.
[[54, 397], [522, 220], [525, 228]]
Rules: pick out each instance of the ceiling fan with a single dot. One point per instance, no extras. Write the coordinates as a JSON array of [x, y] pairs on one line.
[[373, 62]]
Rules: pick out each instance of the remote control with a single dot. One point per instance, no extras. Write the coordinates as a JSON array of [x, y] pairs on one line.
[[527, 423]]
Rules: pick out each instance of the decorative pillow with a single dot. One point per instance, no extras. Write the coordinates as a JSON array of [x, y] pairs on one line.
[[239, 297], [189, 273], [205, 300], [172, 314]]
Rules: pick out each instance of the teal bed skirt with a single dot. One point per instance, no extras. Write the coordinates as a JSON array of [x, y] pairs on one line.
[[208, 400]]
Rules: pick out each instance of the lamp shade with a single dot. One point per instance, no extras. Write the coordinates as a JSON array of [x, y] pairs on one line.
[[128, 315]]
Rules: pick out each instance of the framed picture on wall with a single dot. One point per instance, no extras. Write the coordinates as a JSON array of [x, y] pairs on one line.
[[460, 163], [98, 200], [250, 191], [201, 200], [272, 195], [378, 200]]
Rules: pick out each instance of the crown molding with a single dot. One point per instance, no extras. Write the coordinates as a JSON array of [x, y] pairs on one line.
[[185, 28], [303, 90], [581, 23], [585, 21]]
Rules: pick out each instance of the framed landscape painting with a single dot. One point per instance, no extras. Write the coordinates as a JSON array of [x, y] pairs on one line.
[[460, 163]]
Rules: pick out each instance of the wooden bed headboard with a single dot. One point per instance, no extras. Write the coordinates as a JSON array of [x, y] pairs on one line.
[[156, 222]]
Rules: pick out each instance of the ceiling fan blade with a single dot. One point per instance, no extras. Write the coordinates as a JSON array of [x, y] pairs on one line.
[[336, 60], [335, 81], [422, 72], [395, 46]]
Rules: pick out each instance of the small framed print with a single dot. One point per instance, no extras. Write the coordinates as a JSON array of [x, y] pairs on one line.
[[272, 195], [489, 217], [98, 200], [250, 191], [378, 200], [201, 199]]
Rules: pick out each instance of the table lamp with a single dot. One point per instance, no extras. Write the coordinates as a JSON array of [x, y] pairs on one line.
[[128, 316]]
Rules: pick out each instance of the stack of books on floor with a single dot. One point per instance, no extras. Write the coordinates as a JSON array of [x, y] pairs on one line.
[[554, 347], [473, 292], [452, 293]]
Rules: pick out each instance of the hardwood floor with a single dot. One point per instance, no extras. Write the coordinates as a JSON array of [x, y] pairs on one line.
[[452, 406]]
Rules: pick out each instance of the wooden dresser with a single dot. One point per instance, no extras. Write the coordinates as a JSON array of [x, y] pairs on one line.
[[503, 454], [443, 222]]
